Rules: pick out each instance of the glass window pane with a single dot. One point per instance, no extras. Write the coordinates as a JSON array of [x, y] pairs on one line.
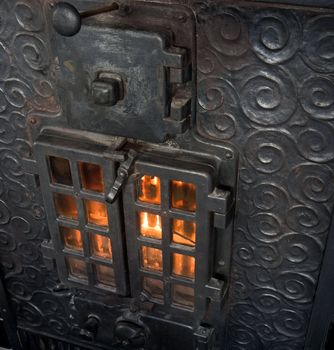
[[105, 275], [150, 225], [151, 258], [66, 205], [184, 232], [154, 287], [60, 171], [96, 213], [91, 177], [149, 189], [72, 238], [100, 246], [77, 268], [183, 295], [183, 265], [183, 195]]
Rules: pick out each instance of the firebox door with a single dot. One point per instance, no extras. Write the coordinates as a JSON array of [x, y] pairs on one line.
[[151, 223]]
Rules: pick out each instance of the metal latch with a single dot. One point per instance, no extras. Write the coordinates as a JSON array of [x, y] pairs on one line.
[[122, 175]]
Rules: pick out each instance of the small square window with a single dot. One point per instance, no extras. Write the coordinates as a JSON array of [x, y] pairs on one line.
[[72, 238], [183, 195], [151, 258], [184, 232], [149, 189], [91, 176], [100, 246], [66, 205], [150, 225], [96, 213], [183, 295], [60, 171], [77, 268], [154, 287], [183, 265], [105, 275]]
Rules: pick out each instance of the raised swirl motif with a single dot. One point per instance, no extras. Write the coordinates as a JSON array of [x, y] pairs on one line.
[[228, 35], [269, 197], [7, 132], [30, 51], [266, 300], [243, 338], [311, 182], [267, 151], [290, 323], [10, 165], [318, 50], [5, 61], [301, 251], [29, 314], [275, 35], [307, 219], [219, 97], [7, 242], [316, 143], [29, 15], [295, 286], [17, 92], [317, 97], [264, 227], [4, 213], [268, 95], [214, 92]]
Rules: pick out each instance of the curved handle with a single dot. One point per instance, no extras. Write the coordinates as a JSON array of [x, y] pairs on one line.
[[66, 19]]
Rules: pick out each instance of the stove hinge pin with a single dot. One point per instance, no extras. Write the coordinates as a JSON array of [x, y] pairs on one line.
[[122, 175]]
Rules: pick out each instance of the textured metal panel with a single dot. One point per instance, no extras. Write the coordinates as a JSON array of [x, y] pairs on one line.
[[266, 84]]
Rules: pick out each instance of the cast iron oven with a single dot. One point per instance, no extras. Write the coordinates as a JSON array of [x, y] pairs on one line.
[[166, 174]]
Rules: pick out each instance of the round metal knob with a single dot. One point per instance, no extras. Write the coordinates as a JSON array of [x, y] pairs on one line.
[[66, 19]]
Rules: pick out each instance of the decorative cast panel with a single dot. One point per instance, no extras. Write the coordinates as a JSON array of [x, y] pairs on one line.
[[266, 84]]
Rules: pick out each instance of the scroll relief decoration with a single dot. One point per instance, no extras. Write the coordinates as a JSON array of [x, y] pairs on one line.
[[26, 96], [266, 84]]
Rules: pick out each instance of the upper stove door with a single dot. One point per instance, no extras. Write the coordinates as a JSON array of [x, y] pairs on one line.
[[127, 73]]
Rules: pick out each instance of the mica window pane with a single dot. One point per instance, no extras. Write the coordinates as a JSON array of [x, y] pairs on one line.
[[149, 189], [91, 176], [105, 275], [183, 195], [183, 295], [100, 246], [183, 265], [184, 232], [66, 205], [72, 238], [77, 268], [153, 287], [150, 225], [60, 171], [96, 213], [151, 258]]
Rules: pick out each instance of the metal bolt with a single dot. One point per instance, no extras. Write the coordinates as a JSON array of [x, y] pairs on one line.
[[229, 155], [33, 121]]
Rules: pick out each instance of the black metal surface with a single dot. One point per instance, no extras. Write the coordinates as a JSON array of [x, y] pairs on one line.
[[150, 49], [265, 85]]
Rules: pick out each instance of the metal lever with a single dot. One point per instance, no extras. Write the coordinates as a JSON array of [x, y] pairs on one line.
[[122, 175], [66, 18]]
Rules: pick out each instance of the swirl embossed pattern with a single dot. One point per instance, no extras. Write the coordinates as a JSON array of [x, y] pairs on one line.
[[26, 93], [266, 84]]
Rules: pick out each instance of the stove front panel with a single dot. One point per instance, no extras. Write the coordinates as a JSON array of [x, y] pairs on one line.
[[265, 85]]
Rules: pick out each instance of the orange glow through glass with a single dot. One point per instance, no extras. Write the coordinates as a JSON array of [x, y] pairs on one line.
[[183, 195], [151, 258], [150, 189], [183, 265], [96, 213], [150, 225]]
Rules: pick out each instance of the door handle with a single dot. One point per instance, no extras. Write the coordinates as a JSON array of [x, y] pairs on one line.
[[66, 19]]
